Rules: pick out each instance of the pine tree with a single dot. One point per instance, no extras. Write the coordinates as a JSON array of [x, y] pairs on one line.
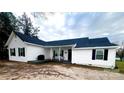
[[8, 23], [25, 24]]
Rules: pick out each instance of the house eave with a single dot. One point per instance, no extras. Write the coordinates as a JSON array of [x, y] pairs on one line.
[[73, 45], [33, 44], [105, 47]]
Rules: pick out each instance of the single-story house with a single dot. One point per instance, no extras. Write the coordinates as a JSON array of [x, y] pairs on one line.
[[96, 52]]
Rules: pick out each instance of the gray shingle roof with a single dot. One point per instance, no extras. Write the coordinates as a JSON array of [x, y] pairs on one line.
[[80, 42]]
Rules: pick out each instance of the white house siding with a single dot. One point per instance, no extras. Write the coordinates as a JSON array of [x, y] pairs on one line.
[[81, 56], [34, 51], [47, 53], [16, 43]]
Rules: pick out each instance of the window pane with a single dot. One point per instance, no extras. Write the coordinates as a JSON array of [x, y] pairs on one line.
[[99, 54], [12, 52], [19, 51], [23, 51]]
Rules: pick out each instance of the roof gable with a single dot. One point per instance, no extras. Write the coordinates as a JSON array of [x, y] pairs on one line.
[[9, 39]]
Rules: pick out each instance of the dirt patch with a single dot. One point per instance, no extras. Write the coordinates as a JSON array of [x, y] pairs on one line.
[[53, 71]]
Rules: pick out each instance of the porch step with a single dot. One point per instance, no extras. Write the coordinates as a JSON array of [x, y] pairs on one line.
[[47, 61]]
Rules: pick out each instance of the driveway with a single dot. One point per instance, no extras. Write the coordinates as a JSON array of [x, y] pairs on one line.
[[54, 71]]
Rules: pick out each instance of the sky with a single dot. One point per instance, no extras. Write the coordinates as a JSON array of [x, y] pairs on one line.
[[68, 25]]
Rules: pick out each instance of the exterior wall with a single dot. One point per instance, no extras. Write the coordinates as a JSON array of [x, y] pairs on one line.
[[31, 51], [47, 53], [34, 51], [16, 43], [80, 56]]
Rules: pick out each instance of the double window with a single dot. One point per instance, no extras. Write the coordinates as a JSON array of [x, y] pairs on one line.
[[21, 52], [100, 54], [12, 52]]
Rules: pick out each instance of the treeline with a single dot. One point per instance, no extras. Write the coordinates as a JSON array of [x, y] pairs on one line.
[[8, 23], [120, 52]]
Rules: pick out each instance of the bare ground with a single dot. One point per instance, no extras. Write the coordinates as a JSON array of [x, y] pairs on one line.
[[54, 71]]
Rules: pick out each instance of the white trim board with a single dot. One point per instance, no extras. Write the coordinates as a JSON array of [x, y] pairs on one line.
[[105, 47]]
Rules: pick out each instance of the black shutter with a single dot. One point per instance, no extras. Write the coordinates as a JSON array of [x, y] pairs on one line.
[[10, 52], [93, 54], [106, 54], [14, 52], [18, 52], [62, 53]]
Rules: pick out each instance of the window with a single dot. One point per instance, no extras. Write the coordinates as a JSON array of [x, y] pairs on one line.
[[12, 51], [99, 54], [21, 52]]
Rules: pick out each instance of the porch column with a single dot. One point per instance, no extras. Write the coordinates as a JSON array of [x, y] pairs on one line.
[[59, 53], [51, 53]]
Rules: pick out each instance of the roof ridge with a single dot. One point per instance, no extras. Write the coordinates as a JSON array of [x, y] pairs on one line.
[[98, 38], [68, 39]]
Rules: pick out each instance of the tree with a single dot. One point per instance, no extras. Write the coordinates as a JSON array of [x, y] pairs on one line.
[[25, 24], [8, 23], [120, 52]]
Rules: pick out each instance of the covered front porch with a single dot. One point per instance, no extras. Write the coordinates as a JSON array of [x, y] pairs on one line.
[[61, 54]]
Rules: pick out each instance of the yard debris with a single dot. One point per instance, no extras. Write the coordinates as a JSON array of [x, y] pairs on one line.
[[50, 71]]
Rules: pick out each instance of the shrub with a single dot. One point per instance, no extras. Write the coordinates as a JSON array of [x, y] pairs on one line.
[[41, 57]]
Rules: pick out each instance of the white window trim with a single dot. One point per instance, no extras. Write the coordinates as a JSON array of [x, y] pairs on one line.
[[96, 54]]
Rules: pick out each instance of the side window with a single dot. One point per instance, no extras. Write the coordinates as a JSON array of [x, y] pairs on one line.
[[12, 52], [21, 52], [100, 54]]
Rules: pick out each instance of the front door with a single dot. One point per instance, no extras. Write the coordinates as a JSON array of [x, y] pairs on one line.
[[69, 54]]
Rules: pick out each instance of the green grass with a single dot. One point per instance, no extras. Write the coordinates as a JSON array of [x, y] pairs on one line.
[[120, 66]]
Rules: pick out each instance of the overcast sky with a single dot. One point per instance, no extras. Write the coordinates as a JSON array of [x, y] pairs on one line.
[[80, 24]]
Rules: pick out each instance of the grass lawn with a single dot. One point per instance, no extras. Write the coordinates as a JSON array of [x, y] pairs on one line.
[[120, 66]]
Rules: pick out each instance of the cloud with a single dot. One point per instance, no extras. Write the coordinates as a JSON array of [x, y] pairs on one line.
[[81, 24]]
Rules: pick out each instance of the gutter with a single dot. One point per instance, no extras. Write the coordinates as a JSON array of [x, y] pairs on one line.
[[105, 47], [73, 45]]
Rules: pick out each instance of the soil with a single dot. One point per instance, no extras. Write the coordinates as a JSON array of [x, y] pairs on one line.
[[54, 71]]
